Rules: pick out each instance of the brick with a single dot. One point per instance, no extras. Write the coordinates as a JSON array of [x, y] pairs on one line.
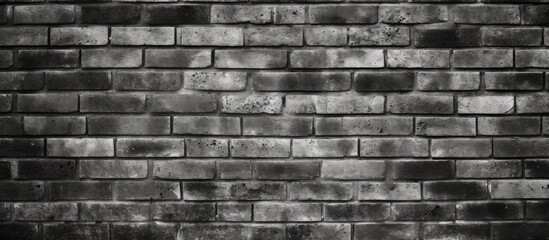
[[512, 37], [134, 125], [353, 169], [536, 209], [379, 36], [5, 102], [301, 81], [519, 189], [273, 36], [23, 36], [43, 14], [455, 190], [419, 104], [142, 36], [305, 104], [215, 81], [55, 125], [282, 126], [342, 14], [111, 58], [536, 168], [252, 104], [147, 190], [477, 231], [234, 191], [281, 212], [326, 36], [12, 126], [394, 147], [514, 230], [48, 58], [490, 210], [412, 58], [21, 81], [287, 170], [387, 231], [235, 170], [364, 126], [184, 103], [501, 14], [325, 147], [461, 148], [509, 126], [3, 14], [210, 36], [109, 103], [163, 14], [80, 147], [79, 36], [413, 14], [21, 147], [177, 58], [205, 147], [76, 231], [356, 212], [488, 168], [513, 81], [483, 58], [206, 125], [486, 105], [85, 80], [107, 169], [520, 147], [290, 14], [232, 231], [424, 211], [337, 58], [536, 15], [383, 81], [389, 191], [45, 169], [448, 81], [422, 169], [59, 103], [45, 211], [242, 14], [183, 212], [19, 231], [531, 58], [319, 231], [5, 170], [185, 169], [6, 58], [149, 147], [535, 103], [445, 126], [255, 59], [20, 191], [114, 212], [110, 14], [80, 190], [320, 191], [234, 212]]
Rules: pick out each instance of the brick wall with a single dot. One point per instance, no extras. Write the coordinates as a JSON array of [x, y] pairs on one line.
[[274, 119]]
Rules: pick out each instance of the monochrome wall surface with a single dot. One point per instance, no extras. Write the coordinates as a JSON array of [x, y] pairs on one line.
[[274, 119]]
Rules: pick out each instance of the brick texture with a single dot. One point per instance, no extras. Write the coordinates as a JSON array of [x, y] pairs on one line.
[[274, 119]]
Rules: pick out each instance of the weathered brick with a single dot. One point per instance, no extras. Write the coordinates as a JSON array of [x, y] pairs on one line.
[[461, 148], [44, 14], [168, 14], [413, 14], [512, 36], [183, 212], [420, 104], [513, 81], [455, 190], [324, 148], [501, 14], [342, 14], [235, 169], [206, 125], [520, 147], [287, 170], [60, 103], [20, 191], [479, 231], [5, 102], [234, 191], [112, 58], [45, 211], [125, 125], [252, 104], [79, 36], [6, 58], [105, 169], [383, 81], [5, 170], [281, 126], [19, 231], [178, 58], [142, 36], [445, 126], [490, 210], [236, 13], [536, 168], [108, 103], [147, 190], [80, 190], [535, 103], [21, 147], [535, 14], [273, 36], [45, 169], [364, 126], [55, 231], [488, 168], [85, 80], [319, 231], [353, 169], [184, 169], [536, 209], [422, 169], [519, 189], [80, 147], [21, 81], [389, 191], [326, 36], [486, 105], [48, 58], [184, 103], [320, 191], [114, 212], [356, 212], [519, 230], [394, 147], [54, 125], [413, 58], [260, 148], [379, 36], [290, 14], [13, 126], [424, 211], [509, 126], [256, 59], [531, 58], [210, 36], [215, 81], [448, 81], [234, 212], [301, 81], [232, 231], [23, 36], [483, 58], [150, 147], [305, 104], [337, 58], [386, 231], [110, 14], [206, 147], [281, 212]]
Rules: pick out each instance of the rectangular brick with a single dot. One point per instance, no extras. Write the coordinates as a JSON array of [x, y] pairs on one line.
[[394, 147], [45, 211], [509, 126], [260, 148], [434, 231], [232, 231], [326, 36], [178, 58], [21, 147], [59, 103], [80, 190], [48, 58], [11, 126], [334, 126], [519, 189], [210, 36], [356, 212], [403, 231], [287, 170], [54, 231], [342, 14], [44, 169], [255, 59], [196, 212], [420, 104], [150, 147], [501, 14], [184, 169], [520, 147], [80, 147], [320, 191], [424, 211], [251, 104], [413, 14], [454, 190], [513, 81], [126, 125], [448, 81], [483, 58], [273, 36], [107, 169], [23, 36], [234, 191], [422, 169], [490, 210], [535, 103], [112, 58], [353, 169], [532, 58], [110, 14], [142, 36], [114, 212], [325, 147], [418, 58], [21, 191], [54, 125], [155, 190], [445, 126], [44, 14], [215, 81], [512, 37], [301, 81], [280, 126], [152, 81], [79, 36], [109, 103], [384, 81], [337, 58], [206, 125], [486, 105], [461, 148], [167, 14], [84, 80], [306, 104], [237, 13], [207, 147], [281, 212], [182, 103]]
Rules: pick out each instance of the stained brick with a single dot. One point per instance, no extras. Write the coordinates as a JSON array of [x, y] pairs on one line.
[[44, 14], [513, 81], [305, 104], [342, 14], [163, 14], [287, 170], [184, 103], [105, 169], [150, 147], [337, 58], [356, 212], [394, 147], [301, 81], [184, 169], [234, 191], [86, 80], [364, 126], [110, 14], [279, 212], [210, 36]]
